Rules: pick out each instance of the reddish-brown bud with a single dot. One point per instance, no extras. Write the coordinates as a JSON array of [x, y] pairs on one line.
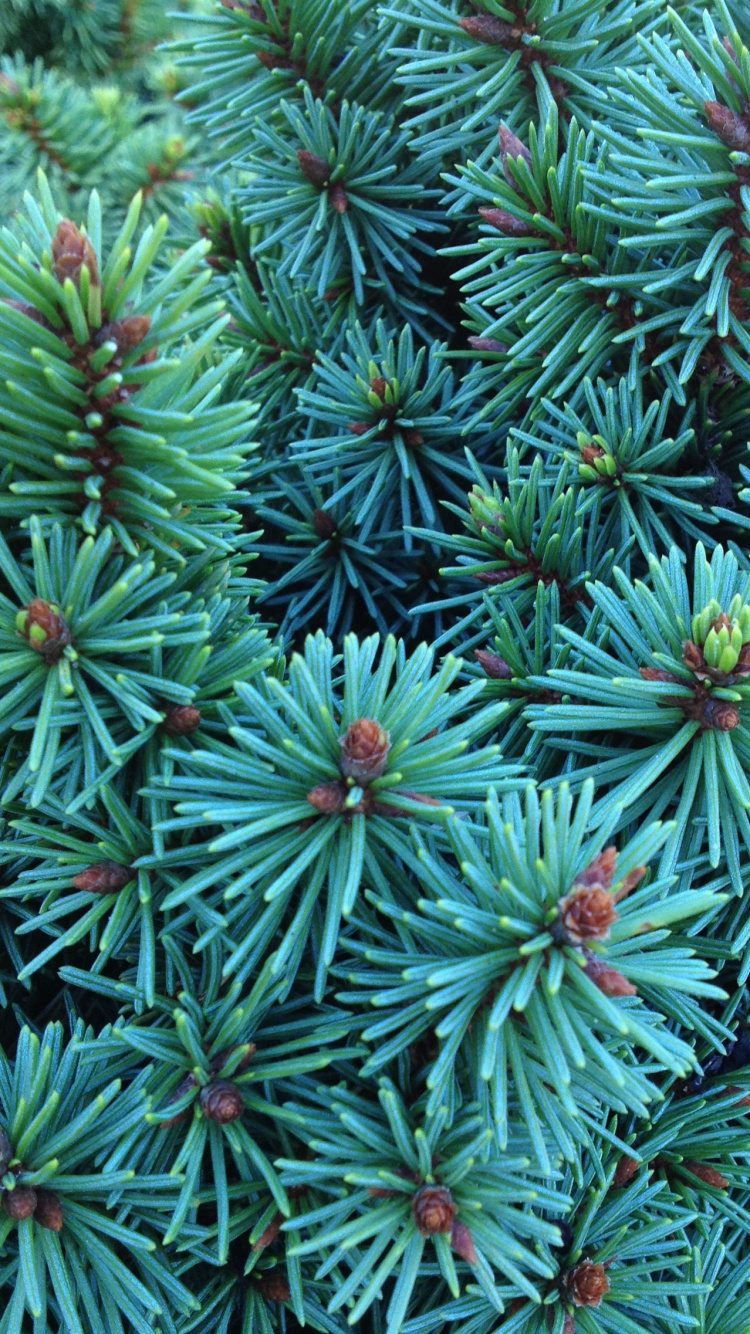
[[49, 1211], [103, 878], [269, 1235], [732, 129], [505, 222], [378, 385], [511, 148], [587, 1284], [720, 715], [337, 197], [44, 627], [323, 524], [30, 312], [486, 344], [274, 1286], [188, 1083], [127, 333], [658, 674], [360, 428], [707, 1174], [182, 719], [313, 168], [221, 1102], [493, 664], [625, 1171], [601, 871], [19, 1203], [70, 251], [328, 798], [462, 1242], [569, 1324], [364, 751], [584, 914], [608, 979], [433, 1210], [492, 30]]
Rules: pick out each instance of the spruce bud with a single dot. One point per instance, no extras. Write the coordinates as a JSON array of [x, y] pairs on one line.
[[182, 719], [127, 333], [49, 1211], [70, 251], [506, 222], [103, 878], [625, 1171], [587, 913], [587, 1284], [433, 1210], [511, 148], [6, 1152], [19, 1203], [495, 666], [709, 1175], [490, 29], [274, 1286], [486, 344], [45, 629], [323, 523], [221, 1102], [337, 197], [608, 980], [364, 751], [314, 168], [328, 798], [720, 715], [732, 129], [462, 1243]]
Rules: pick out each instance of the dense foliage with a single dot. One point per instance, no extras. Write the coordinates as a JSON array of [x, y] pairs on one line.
[[374, 667]]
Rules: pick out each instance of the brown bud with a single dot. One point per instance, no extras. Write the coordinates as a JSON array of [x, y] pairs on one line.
[[269, 1235], [707, 1174], [221, 1102], [313, 168], [569, 1324], [658, 674], [127, 333], [720, 715], [364, 751], [625, 1171], [608, 979], [732, 129], [182, 719], [584, 914], [30, 312], [45, 629], [732, 1092], [506, 222], [693, 657], [19, 1203], [511, 148], [600, 871], [49, 1211], [587, 1284], [323, 524], [70, 251], [493, 664], [360, 428], [220, 1060], [462, 1242], [6, 1151], [494, 31], [433, 1210], [486, 344], [328, 798], [188, 1083], [274, 1286], [378, 385], [103, 878], [412, 438], [337, 197], [590, 453]]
